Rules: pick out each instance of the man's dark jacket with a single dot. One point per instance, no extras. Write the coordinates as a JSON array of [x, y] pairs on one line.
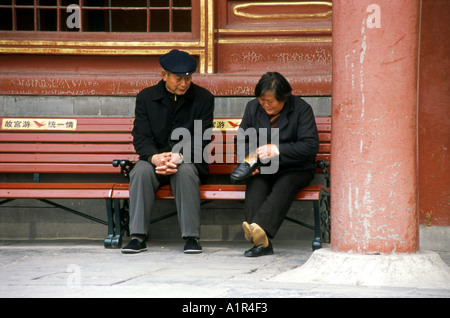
[[156, 116], [298, 137]]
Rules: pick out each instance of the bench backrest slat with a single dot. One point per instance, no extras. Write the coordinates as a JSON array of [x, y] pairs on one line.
[[63, 158], [67, 148], [66, 137]]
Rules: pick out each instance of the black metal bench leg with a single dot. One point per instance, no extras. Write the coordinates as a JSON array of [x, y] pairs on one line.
[[317, 242], [109, 210], [125, 218], [114, 238], [117, 239], [325, 219]]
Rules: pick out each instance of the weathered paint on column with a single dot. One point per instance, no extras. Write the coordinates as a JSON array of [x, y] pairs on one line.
[[374, 164]]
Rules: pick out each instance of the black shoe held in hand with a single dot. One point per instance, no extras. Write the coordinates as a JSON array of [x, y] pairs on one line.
[[246, 168]]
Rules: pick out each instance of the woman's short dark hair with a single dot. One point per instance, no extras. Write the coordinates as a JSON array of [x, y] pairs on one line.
[[276, 83]]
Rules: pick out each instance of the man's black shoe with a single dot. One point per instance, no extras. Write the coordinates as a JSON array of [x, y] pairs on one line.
[[260, 250], [192, 246], [134, 246]]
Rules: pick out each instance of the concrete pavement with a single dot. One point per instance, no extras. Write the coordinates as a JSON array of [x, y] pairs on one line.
[[84, 269]]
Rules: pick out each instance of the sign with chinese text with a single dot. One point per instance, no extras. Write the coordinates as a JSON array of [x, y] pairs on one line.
[[225, 124], [38, 124]]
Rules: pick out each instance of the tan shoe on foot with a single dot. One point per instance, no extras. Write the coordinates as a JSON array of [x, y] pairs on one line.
[[247, 231], [259, 235]]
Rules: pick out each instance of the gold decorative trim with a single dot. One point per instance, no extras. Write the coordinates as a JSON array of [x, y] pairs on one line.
[[50, 50], [268, 41], [303, 30], [97, 43], [210, 47], [237, 10], [202, 23]]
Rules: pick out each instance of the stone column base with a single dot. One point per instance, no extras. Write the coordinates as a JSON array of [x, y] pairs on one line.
[[423, 269]]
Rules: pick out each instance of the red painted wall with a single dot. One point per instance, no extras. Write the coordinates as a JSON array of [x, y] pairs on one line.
[[434, 114]]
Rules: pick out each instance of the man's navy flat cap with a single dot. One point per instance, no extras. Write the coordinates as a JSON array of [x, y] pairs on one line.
[[178, 62]]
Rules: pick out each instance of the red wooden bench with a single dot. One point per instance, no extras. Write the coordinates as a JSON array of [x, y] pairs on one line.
[[317, 194], [36, 146]]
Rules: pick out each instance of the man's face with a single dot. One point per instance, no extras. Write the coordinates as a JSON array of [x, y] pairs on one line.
[[176, 84]]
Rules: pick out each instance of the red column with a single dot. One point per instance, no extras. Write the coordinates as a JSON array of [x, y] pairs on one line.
[[374, 137]]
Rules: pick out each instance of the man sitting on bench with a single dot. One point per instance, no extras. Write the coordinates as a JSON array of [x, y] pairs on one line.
[[175, 102]]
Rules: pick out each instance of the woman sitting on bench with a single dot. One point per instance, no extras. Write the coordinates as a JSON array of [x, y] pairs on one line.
[[269, 195]]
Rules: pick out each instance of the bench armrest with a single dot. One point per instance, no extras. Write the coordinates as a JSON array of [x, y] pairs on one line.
[[324, 166], [125, 166]]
